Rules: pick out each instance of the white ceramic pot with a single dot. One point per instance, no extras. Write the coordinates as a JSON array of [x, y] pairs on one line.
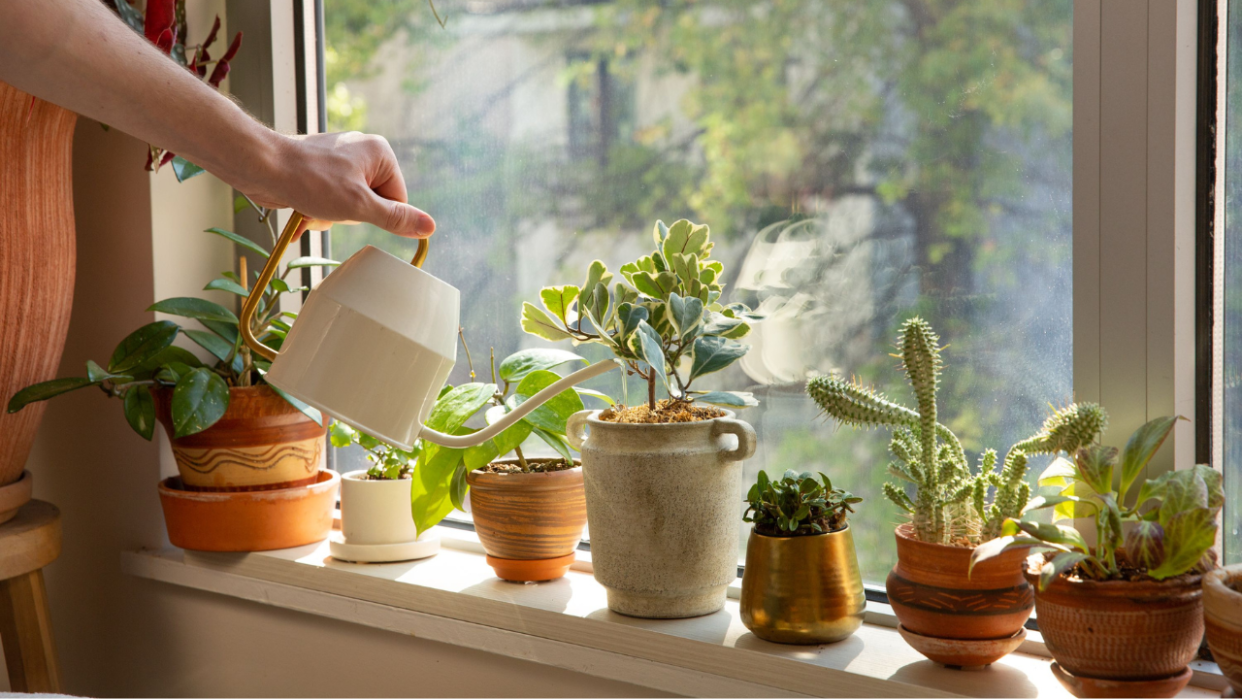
[[663, 510], [376, 522]]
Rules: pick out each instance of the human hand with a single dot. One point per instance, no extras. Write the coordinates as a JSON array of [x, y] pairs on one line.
[[338, 178]]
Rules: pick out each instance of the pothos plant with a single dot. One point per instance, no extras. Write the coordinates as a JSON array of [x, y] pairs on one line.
[[797, 505], [663, 318], [147, 358], [388, 463], [1167, 530], [440, 474]]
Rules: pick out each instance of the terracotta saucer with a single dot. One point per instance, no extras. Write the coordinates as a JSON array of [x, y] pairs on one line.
[[14, 495], [538, 570], [961, 653], [1093, 687]]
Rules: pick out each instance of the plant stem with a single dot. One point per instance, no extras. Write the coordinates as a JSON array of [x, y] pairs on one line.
[[521, 460], [461, 333], [651, 382]]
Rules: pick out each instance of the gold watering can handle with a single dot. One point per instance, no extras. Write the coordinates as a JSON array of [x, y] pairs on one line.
[[269, 270]]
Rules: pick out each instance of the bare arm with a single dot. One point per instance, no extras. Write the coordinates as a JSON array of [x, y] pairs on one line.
[[79, 55]]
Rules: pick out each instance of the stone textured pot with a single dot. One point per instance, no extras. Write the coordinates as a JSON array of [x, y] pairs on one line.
[[254, 520], [664, 504], [802, 589], [261, 442], [36, 261], [1121, 630], [525, 518], [1222, 615], [933, 595], [376, 523]]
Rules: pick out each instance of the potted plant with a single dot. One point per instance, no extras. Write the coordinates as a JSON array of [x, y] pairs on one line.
[[1222, 617], [1137, 591], [801, 583], [952, 617], [376, 525], [229, 429], [528, 513], [661, 486]]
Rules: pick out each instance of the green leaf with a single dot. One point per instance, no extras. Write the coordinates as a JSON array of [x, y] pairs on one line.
[[430, 498], [594, 394], [301, 262], [1042, 501], [685, 238], [731, 399], [1095, 467], [628, 317], [132, 17], [142, 344], [597, 273], [645, 282], [516, 366], [559, 299], [550, 416], [556, 442], [183, 168], [458, 486], [240, 240], [190, 307], [1212, 479], [226, 330], [1055, 534], [310, 412], [199, 400], [1058, 473], [1187, 536], [511, 438], [170, 355], [96, 374], [1144, 544], [140, 410], [719, 324], [712, 354], [455, 407], [1142, 445], [226, 285], [1060, 563], [539, 324], [686, 315], [45, 390], [653, 352], [216, 346], [240, 204], [341, 435]]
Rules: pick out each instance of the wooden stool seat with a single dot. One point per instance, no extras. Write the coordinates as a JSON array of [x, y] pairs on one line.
[[28, 542]]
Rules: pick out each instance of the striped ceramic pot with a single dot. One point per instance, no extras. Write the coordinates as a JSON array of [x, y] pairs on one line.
[[260, 443], [1222, 615]]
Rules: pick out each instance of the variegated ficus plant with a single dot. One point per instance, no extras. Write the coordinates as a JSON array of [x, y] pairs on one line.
[[664, 311], [1167, 530], [950, 503]]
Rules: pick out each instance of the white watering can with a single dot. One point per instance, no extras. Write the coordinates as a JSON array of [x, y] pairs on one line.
[[374, 344]]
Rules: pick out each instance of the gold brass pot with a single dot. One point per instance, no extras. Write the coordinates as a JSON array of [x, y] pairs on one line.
[[802, 589]]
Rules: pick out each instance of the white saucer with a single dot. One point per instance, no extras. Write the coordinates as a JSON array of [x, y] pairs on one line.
[[424, 546]]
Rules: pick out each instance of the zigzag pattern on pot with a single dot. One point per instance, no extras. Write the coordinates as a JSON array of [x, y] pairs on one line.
[[961, 602], [264, 458]]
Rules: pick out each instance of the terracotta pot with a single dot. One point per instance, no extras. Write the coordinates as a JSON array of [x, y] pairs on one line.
[[36, 260], [663, 506], [802, 589], [528, 517], [261, 442], [1222, 615], [1120, 630], [255, 520], [934, 594]]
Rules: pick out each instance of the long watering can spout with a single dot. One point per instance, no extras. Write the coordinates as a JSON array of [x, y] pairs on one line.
[[476, 438]]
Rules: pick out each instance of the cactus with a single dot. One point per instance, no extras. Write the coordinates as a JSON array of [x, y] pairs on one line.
[[950, 503]]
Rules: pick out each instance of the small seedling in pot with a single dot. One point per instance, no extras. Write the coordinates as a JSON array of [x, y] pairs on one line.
[[797, 505], [387, 462]]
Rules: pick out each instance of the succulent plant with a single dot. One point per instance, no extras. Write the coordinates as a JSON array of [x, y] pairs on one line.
[[666, 310], [1168, 530], [950, 503], [797, 505]]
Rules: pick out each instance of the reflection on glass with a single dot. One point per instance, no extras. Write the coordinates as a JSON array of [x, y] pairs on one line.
[[858, 163], [1232, 320]]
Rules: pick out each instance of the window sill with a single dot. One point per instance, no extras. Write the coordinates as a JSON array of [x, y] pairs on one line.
[[454, 598]]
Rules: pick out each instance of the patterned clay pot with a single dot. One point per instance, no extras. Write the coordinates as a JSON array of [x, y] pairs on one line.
[[664, 510], [529, 523], [1119, 630], [262, 442], [36, 267], [1222, 615], [934, 595]]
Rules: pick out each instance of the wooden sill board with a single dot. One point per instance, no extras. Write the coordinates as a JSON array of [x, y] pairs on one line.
[[454, 598]]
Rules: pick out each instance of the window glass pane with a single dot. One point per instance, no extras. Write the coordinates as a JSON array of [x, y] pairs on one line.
[[1232, 287], [859, 163]]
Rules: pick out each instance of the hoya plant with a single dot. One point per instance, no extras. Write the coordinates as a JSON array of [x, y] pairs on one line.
[[147, 357], [663, 317], [1167, 530], [440, 473], [797, 505], [950, 504], [388, 463]]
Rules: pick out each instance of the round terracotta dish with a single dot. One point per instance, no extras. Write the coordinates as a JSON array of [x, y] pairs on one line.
[[258, 520], [260, 442], [1222, 615], [14, 495], [934, 595], [1121, 630], [529, 523]]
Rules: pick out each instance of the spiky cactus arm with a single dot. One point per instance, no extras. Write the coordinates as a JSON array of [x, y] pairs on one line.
[[899, 497], [856, 405], [920, 357]]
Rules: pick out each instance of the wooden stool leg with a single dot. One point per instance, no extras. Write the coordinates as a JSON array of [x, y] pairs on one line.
[[26, 628]]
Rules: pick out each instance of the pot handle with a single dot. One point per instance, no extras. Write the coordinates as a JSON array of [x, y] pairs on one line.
[[265, 277], [746, 438], [575, 428]]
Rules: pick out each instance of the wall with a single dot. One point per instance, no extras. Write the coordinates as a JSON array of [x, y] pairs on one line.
[[119, 635]]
